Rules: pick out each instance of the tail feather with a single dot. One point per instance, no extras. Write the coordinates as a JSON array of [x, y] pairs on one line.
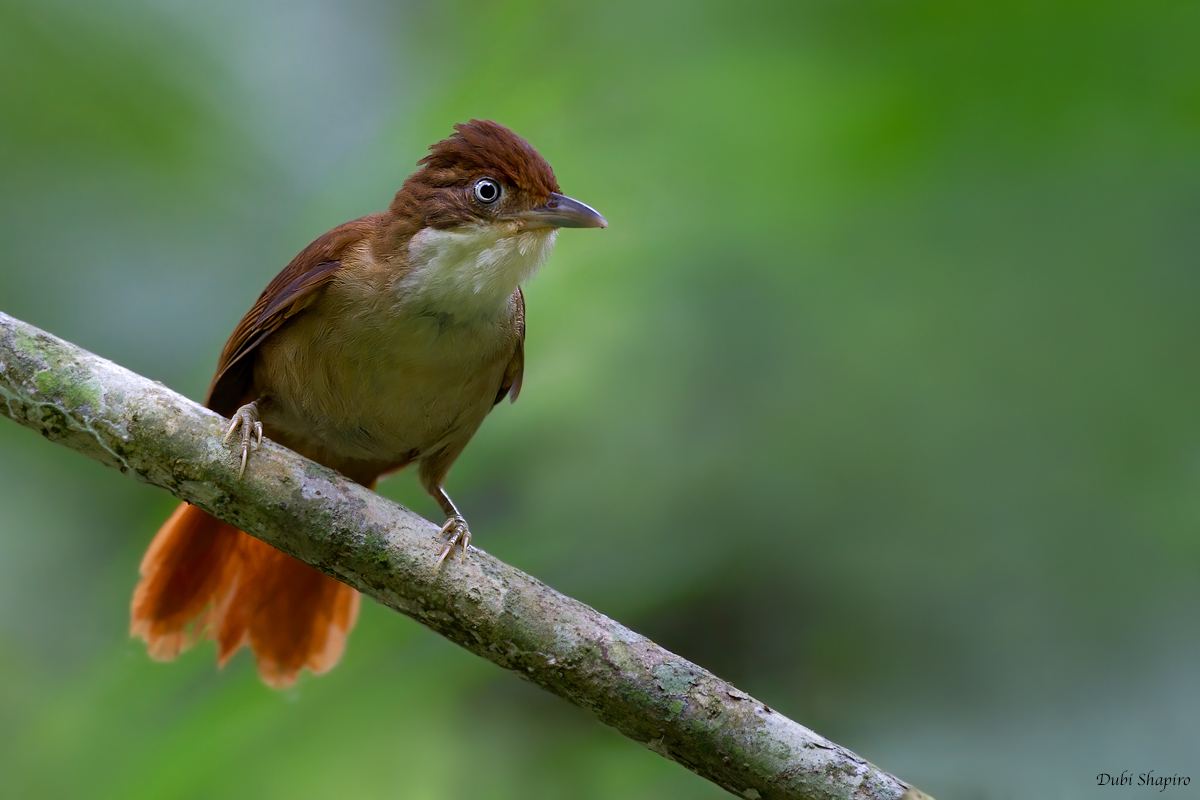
[[191, 564], [204, 577], [291, 615]]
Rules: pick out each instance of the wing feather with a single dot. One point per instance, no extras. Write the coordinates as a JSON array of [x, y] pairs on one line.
[[292, 290], [511, 383]]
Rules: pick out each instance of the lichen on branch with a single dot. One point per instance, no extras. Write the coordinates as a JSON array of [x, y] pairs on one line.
[[664, 702]]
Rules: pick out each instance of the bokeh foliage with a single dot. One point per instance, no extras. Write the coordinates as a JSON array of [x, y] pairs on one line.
[[878, 398]]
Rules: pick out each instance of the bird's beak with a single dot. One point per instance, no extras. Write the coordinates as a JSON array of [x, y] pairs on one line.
[[561, 211]]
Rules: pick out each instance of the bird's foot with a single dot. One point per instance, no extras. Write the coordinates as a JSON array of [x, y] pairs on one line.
[[456, 528], [246, 418]]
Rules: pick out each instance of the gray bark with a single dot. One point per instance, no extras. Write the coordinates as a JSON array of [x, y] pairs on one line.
[[654, 697]]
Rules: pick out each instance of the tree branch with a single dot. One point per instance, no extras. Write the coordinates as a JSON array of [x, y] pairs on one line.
[[654, 697]]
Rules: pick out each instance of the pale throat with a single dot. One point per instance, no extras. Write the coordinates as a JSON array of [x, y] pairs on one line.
[[471, 271]]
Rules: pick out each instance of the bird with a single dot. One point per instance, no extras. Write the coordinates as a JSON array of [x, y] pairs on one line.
[[384, 343]]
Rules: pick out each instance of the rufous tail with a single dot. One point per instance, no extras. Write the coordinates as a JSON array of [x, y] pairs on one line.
[[204, 577]]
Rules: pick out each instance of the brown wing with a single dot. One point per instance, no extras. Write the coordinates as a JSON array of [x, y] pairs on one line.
[[292, 290], [511, 383]]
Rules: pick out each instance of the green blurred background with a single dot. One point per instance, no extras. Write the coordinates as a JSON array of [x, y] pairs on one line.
[[878, 398]]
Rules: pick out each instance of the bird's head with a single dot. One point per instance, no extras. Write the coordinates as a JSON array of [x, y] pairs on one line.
[[484, 174], [477, 219]]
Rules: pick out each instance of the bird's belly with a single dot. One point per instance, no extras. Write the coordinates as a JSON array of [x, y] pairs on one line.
[[378, 395]]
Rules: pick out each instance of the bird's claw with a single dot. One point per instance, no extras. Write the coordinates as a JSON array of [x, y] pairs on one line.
[[246, 418], [458, 532]]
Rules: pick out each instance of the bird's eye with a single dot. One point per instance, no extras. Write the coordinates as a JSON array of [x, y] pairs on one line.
[[487, 191]]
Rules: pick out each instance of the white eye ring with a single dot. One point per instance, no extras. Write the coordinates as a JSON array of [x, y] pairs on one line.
[[487, 191]]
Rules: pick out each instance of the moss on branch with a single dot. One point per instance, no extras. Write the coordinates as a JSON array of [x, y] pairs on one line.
[[656, 698]]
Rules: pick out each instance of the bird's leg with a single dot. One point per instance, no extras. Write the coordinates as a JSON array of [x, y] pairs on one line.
[[246, 418], [455, 526]]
